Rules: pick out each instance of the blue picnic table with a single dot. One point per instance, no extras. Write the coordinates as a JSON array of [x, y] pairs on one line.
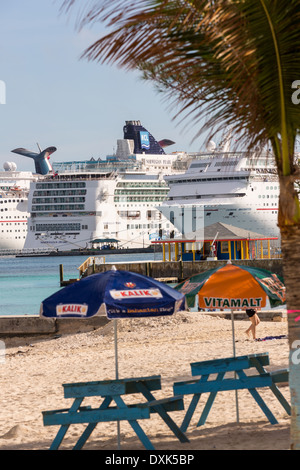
[[207, 383], [110, 391]]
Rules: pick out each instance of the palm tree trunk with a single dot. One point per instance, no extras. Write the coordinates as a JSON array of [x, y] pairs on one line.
[[290, 243]]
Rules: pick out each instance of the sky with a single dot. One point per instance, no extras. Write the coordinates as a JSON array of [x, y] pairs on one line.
[[54, 98]]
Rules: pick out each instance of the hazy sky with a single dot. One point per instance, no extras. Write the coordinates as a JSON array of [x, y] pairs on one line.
[[54, 98]]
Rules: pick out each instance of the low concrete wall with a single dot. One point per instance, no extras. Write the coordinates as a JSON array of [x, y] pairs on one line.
[[184, 269], [264, 315], [34, 325]]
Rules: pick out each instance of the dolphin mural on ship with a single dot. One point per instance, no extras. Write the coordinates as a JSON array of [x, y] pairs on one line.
[[41, 159]]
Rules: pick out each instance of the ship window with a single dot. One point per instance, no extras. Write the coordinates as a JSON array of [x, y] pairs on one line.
[[58, 227]]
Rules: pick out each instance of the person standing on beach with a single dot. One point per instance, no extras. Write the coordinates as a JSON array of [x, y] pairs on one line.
[[252, 314]]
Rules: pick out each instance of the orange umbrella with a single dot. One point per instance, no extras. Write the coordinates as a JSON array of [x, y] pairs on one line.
[[234, 287]]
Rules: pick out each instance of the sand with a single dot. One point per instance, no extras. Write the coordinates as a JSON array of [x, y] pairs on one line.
[[34, 370]]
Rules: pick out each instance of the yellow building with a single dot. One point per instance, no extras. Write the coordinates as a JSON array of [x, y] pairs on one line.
[[220, 241]]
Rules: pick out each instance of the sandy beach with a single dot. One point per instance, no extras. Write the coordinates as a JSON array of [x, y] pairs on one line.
[[34, 370]]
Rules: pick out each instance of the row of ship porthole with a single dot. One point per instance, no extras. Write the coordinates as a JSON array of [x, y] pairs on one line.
[[11, 200]]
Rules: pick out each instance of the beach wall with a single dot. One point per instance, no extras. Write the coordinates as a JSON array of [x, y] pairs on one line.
[[264, 315], [34, 325], [13, 326]]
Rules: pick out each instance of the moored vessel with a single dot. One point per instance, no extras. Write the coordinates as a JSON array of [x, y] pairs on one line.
[[82, 202]]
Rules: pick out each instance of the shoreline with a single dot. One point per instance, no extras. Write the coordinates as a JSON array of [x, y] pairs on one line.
[[91, 252]]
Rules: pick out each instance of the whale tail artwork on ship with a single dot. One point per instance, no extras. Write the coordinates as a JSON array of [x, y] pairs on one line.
[[41, 159]]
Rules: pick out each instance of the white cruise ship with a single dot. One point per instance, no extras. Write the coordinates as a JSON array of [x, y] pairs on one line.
[[235, 188], [14, 189], [116, 198], [14, 192]]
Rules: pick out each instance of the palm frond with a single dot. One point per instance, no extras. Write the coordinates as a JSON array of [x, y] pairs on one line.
[[230, 63]]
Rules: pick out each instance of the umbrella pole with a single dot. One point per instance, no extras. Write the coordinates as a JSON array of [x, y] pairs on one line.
[[233, 336], [117, 374], [116, 348], [234, 354]]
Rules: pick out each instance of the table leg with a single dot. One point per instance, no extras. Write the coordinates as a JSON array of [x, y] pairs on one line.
[[209, 402], [64, 428], [281, 399], [192, 406], [90, 427], [259, 400], [274, 388], [190, 412], [163, 414], [135, 426]]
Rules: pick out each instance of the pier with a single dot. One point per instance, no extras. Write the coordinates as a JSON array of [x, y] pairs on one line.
[[175, 270], [42, 252]]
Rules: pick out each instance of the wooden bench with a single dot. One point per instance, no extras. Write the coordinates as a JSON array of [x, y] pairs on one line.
[[112, 391], [238, 365]]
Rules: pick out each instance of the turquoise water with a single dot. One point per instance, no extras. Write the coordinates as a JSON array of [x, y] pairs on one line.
[[26, 282]]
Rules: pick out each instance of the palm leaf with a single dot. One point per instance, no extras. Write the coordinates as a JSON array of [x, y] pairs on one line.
[[221, 60], [229, 63]]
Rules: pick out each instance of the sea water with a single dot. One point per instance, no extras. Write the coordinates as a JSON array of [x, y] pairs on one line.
[[26, 282]]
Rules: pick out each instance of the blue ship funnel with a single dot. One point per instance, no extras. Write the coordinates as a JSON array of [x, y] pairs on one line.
[[144, 142], [41, 160]]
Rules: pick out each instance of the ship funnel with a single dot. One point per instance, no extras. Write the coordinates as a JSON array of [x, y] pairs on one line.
[[225, 145], [41, 160], [211, 146]]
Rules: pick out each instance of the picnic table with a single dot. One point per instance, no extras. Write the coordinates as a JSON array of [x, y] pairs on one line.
[[112, 391], [206, 369]]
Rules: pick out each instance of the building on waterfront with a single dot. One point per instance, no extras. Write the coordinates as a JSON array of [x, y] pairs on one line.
[[220, 241]]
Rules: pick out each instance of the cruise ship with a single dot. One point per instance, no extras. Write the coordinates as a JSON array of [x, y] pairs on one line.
[[81, 203], [14, 193], [14, 190], [220, 185]]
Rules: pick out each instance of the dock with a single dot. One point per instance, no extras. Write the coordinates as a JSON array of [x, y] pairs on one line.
[[174, 271]]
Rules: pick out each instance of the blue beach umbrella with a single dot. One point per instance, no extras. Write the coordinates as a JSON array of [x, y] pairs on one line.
[[116, 294]]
